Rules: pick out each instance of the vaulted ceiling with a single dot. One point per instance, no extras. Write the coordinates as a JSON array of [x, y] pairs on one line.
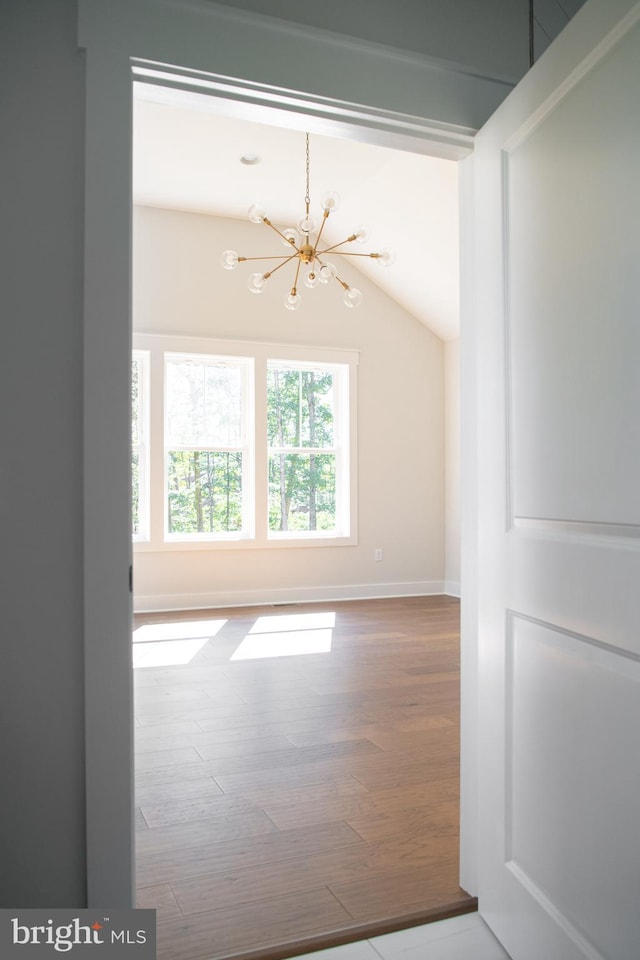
[[188, 157]]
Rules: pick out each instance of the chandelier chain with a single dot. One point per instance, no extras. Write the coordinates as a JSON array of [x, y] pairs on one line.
[[307, 198]]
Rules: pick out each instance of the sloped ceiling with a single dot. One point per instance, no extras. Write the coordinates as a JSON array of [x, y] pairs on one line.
[[187, 157]]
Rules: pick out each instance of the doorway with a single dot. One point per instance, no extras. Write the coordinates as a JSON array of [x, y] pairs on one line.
[[167, 243]]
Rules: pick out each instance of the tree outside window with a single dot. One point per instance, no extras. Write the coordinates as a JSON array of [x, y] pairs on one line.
[[205, 438], [302, 448]]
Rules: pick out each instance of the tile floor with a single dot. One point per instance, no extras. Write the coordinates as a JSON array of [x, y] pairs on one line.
[[461, 938]]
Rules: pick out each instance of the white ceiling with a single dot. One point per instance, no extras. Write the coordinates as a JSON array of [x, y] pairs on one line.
[[187, 157]]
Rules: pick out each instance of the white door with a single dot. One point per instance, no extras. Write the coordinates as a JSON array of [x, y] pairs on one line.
[[557, 193]]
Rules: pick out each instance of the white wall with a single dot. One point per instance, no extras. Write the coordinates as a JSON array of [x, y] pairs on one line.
[[179, 287], [452, 466]]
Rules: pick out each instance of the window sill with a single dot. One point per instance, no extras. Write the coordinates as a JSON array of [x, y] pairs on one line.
[[298, 542]]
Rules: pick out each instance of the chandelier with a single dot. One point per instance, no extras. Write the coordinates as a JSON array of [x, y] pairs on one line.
[[305, 253]]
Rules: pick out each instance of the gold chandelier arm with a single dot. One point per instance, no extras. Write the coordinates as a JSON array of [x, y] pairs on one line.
[[283, 257], [325, 217], [345, 286], [348, 240], [295, 279], [289, 243], [346, 253], [283, 264]]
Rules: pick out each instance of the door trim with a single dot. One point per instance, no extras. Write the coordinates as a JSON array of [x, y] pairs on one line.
[[118, 38]]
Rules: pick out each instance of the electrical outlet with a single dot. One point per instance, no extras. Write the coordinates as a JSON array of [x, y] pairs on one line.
[[377, 554]]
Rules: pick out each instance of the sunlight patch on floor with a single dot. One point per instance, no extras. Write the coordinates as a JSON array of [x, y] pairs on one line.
[[287, 636], [172, 644], [183, 630], [167, 653]]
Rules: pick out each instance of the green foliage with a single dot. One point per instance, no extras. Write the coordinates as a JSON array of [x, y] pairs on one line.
[[204, 491], [204, 403], [135, 401], [302, 489], [204, 407], [135, 494], [310, 491], [135, 435]]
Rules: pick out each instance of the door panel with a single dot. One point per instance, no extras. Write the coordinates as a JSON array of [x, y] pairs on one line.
[[558, 367], [571, 248], [571, 803]]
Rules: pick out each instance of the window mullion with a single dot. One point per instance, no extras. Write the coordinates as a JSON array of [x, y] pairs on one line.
[[261, 492], [339, 433], [139, 450], [303, 451], [205, 448], [156, 445]]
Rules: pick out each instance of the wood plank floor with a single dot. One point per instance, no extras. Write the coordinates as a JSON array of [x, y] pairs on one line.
[[292, 800]]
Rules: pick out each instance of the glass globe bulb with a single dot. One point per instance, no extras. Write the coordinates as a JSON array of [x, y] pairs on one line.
[[327, 273], [306, 225], [293, 301], [292, 237], [330, 201], [385, 258], [256, 213], [352, 297], [229, 260], [256, 282], [311, 279], [362, 233]]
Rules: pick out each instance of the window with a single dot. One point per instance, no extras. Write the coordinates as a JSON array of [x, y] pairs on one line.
[[304, 431], [207, 458], [251, 445], [139, 445]]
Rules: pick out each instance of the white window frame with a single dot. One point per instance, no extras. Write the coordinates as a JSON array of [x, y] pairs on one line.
[[141, 358], [339, 449], [246, 448], [257, 535]]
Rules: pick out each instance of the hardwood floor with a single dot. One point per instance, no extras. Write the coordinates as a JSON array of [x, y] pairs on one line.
[[295, 801]]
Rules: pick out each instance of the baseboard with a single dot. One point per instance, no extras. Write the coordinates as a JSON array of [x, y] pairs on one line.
[[452, 588], [256, 598]]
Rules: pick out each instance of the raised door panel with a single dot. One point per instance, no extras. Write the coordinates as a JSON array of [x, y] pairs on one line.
[[572, 206]]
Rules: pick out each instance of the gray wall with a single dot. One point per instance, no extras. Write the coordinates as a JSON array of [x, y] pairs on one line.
[[490, 37], [42, 845]]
